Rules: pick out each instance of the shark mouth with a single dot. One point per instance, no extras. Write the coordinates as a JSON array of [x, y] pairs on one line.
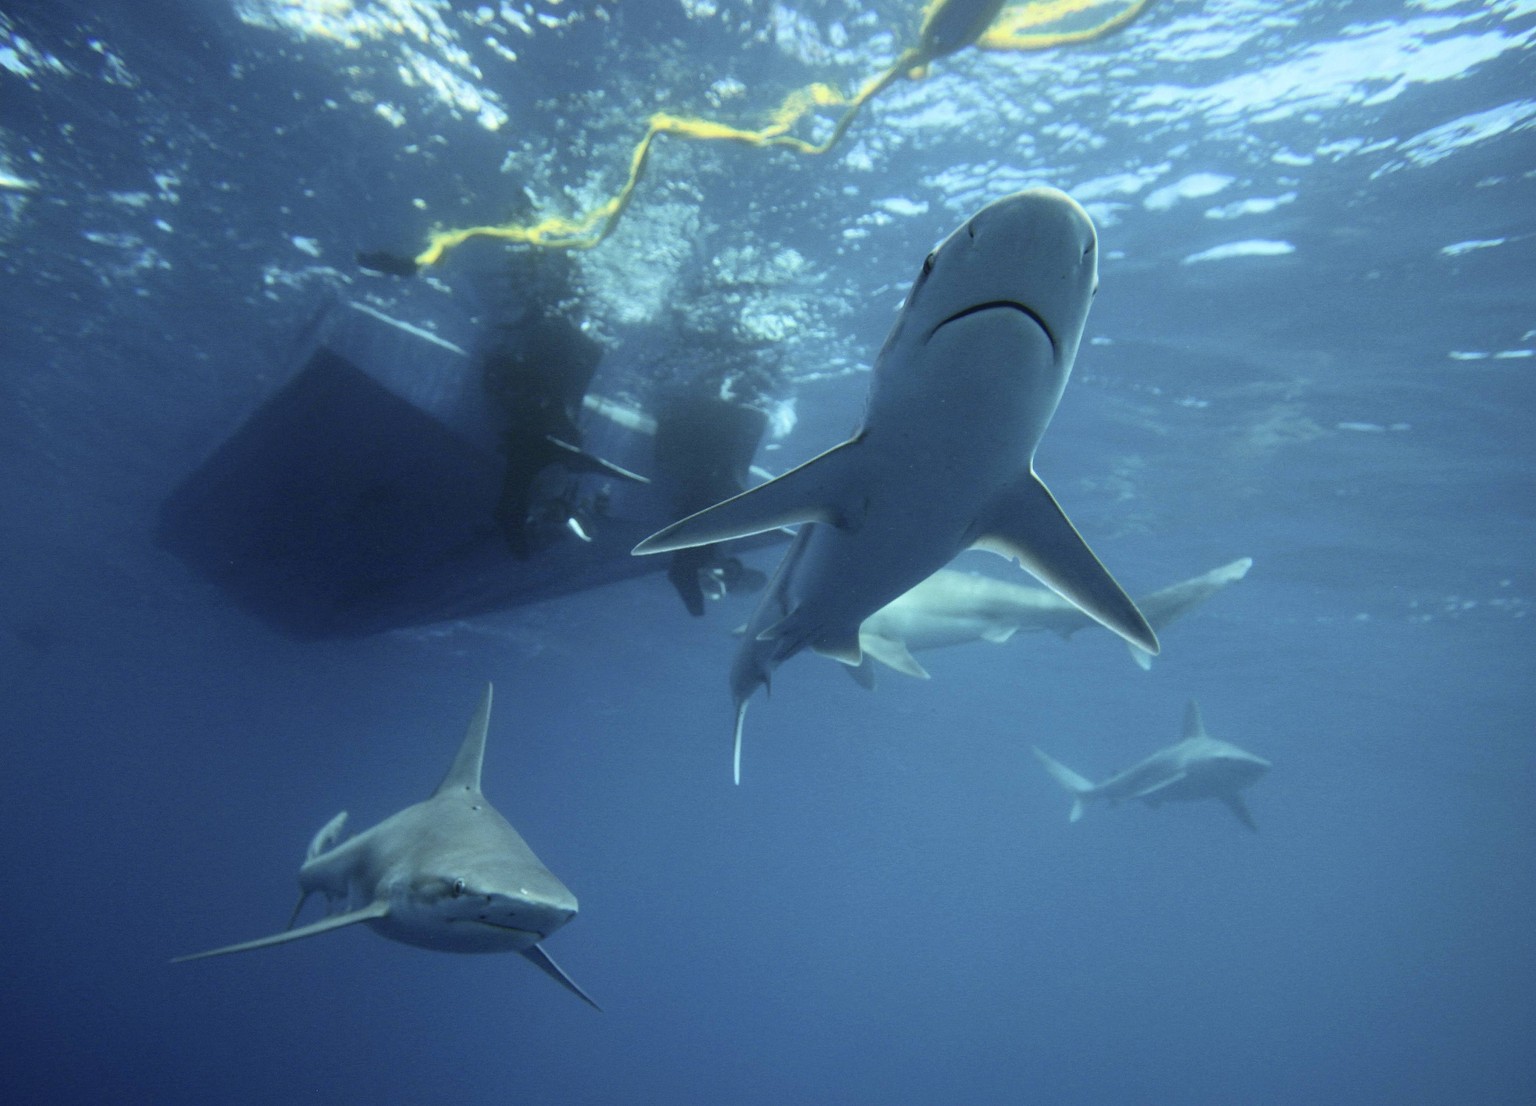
[[531, 934], [993, 305]]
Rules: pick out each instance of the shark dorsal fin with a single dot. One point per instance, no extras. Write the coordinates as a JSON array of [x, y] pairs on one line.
[[1193, 726], [464, 775]]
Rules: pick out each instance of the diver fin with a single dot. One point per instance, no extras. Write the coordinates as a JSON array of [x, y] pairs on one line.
[[324, 925], [893, 653], [547, 965], [1028, 526], [579, 460], [1239, 807], [810, 493]]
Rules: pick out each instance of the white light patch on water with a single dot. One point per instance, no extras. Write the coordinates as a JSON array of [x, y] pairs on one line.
[[1368, 65], [1193, 187], [1250, 247], [1428, 147], [898, 205], [1258, 205], [1456, 249]]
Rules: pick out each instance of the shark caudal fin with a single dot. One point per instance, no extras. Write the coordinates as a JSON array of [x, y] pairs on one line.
[[547, 965], [324, 925], [809, 493], [1027, 525], [1079, 787]]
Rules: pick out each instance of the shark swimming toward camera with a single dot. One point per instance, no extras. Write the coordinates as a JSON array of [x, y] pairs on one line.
[[961, 394], [448, 873], [1198, 766], [956, 608]]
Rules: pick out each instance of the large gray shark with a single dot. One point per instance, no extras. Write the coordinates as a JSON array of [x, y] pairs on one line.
[[961, 393], [956, 608], [448, 873], [1198, 766]]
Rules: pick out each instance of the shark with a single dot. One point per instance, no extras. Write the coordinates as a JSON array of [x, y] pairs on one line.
[[448, 873], [955, 608], [1198, 766], [961, 394]]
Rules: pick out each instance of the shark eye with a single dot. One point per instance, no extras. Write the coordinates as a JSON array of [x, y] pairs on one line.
[[928, 262], [458, 888]]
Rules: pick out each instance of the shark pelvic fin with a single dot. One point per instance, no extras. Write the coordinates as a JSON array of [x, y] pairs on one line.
[[1068, 779], [1239, 807], [893, 653], [324, 925], [1027, 525], [464, 773], [810, 493], [864, 673], [547, 965]]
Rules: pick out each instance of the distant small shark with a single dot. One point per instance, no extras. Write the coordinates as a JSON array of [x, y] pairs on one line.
[[1198, 766], [956, 608], [961, 394], [448, 873]]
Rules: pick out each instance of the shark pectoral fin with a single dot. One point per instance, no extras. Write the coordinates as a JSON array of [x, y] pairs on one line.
[[999, 635], [325, 925], [1142, 658], [579, 460], [893, 653], [1239, 807], [547, 965], [811, 493], [1027, 525], [1150, 793]]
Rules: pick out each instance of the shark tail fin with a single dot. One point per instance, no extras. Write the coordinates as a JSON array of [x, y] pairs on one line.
[[547, 965], [1079, 787], [325, 925]]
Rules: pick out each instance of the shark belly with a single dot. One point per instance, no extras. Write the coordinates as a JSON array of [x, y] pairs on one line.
[[938, 447]]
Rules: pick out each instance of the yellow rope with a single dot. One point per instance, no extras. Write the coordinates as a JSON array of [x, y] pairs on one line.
[[948, 26]]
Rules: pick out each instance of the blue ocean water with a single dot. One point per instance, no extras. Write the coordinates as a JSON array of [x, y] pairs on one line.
[[1312, 345]]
